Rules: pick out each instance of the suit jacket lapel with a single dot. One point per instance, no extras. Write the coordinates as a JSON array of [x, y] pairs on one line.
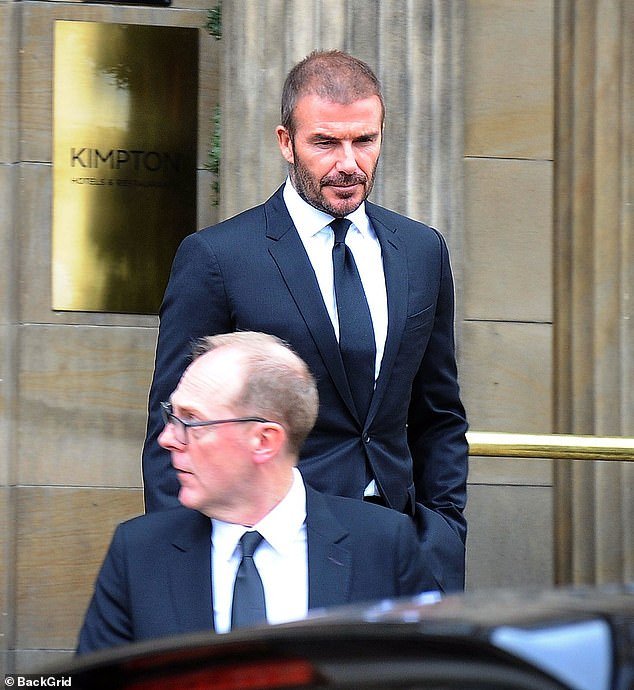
[[329, 561], [395, 270], [289, 254], [190, 574]]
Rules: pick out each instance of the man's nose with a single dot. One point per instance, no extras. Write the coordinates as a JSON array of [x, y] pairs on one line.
[[168, 440], [347, 161]]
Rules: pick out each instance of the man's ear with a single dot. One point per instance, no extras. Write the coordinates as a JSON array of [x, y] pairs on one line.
[[268, 440], [285, 143]]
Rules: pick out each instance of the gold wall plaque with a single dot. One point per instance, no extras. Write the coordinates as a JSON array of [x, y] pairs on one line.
[[125, 119]]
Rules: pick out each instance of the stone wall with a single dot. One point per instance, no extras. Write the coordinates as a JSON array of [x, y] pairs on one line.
[[73, 385], [507, 332]]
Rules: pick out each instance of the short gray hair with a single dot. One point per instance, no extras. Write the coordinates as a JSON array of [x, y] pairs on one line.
[[277, 383]]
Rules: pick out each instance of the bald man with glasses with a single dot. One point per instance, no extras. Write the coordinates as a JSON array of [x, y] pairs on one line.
[[250, 543]]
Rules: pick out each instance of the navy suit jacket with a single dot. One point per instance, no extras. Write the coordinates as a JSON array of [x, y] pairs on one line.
[[252, 272], [156, 578]]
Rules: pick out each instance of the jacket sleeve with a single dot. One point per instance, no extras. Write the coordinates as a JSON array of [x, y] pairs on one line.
[[436, 436], [194, 306], [107, 622], [414, 572]]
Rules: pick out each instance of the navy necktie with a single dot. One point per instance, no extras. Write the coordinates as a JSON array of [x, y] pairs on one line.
[[356, 334], [248, 607]]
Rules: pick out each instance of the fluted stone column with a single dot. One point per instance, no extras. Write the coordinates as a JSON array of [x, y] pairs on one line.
[[415, 48], [594, 284]]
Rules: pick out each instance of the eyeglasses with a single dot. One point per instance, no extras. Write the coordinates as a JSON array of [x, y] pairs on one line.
[[181, 426]]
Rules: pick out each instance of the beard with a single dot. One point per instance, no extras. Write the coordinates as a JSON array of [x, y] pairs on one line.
[[310, 188]]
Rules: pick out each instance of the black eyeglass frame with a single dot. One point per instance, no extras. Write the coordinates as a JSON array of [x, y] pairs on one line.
[[170, 418]]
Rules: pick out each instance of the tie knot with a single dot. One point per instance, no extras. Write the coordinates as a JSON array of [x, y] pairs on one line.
[[249, 543], [340, 228]]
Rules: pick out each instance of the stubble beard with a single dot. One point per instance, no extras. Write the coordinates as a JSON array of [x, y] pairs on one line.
[[310, 190]]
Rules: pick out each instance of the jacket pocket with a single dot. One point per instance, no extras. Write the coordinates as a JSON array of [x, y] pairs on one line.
[[420, 318]]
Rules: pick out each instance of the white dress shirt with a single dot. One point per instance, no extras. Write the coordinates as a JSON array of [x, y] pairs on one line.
[[314, 230], [281, 560]]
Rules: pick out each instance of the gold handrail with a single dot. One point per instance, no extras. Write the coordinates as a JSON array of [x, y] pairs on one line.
[[495, 444]]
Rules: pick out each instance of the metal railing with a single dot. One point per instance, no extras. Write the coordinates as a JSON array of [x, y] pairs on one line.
[[561, 447], [495, 444]]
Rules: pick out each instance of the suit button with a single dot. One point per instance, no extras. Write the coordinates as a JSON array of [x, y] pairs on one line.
[[366, 438]]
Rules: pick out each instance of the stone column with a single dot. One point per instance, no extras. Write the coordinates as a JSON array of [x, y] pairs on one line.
[[594, 283]]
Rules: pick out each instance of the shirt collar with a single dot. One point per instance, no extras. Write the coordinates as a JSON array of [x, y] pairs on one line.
[[279, 527], [309, 220]]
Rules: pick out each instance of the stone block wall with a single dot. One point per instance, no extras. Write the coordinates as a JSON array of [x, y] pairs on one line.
[[507, 330], [73, 385]]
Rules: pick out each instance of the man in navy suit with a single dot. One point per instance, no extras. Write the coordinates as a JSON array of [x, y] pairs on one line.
[[233, 427], [271, 269]]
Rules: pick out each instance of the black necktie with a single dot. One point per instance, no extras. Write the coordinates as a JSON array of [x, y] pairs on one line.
[[356, 334], [248, 606]]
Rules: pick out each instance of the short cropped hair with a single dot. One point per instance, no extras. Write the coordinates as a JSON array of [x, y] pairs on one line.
[[332, 75], [277, 383]]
